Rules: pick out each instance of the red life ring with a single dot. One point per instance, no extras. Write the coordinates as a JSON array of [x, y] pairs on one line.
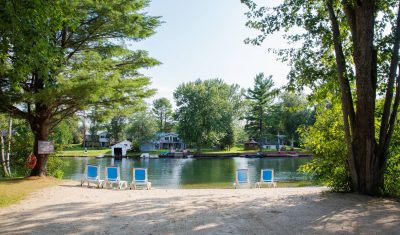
[[31, 161]]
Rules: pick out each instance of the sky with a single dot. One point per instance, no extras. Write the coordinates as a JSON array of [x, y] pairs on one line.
[[205, 39]]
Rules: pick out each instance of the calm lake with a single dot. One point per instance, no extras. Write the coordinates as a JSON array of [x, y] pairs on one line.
[[176, 173]]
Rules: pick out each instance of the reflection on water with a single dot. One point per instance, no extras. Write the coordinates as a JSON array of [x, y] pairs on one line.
[[173, 173]]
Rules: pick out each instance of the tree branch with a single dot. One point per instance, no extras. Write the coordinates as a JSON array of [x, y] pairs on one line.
[[346, 97], [384, 134], [393, 115]]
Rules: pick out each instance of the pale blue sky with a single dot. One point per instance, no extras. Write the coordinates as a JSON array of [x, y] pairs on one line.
[[204, 39]]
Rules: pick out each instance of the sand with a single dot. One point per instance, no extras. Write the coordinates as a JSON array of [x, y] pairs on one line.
[[71, 209]]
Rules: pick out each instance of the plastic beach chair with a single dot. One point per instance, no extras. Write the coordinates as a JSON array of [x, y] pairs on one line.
[[92, 175], [139, 177], [112, 176], [241, 178], [267, 177]]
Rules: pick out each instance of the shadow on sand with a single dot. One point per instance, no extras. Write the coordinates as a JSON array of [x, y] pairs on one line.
[[315, 213]]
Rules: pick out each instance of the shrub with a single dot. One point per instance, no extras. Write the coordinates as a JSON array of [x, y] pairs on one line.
[[55, 166], [326, 140]]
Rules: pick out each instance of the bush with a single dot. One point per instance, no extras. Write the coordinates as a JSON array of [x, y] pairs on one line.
[[326, 140], [392, 173], [21, 147], [55, 166]]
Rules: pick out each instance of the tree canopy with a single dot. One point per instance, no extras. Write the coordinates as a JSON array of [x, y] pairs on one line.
[[142, 128], [261, 99], [58, 57], [206, 111], [162, 109]]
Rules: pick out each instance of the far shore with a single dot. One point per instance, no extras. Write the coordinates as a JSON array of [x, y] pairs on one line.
[[195, 155], [71, 209]]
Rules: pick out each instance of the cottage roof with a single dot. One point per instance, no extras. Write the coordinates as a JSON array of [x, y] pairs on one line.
[[97, 132], [252, 142], [122, 143], [164, 134]]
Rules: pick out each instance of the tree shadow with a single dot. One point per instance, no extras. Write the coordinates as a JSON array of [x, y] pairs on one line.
[[315, 213]]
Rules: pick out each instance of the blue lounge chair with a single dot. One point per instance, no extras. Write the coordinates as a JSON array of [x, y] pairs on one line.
[[139, 177], [92, 175], [241, 178], [112, 176], [267, 177]]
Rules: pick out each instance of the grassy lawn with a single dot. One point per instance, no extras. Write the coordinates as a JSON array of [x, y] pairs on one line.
[[76, 150], [14, 190]]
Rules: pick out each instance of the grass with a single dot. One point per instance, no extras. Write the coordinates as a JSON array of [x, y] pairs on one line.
[[14, 190], [76, 150]]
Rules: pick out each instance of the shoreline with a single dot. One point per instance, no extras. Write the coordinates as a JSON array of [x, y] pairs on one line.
[[215, 155]]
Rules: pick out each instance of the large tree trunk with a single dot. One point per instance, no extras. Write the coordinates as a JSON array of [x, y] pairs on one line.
[[41, 131], [368, 163]]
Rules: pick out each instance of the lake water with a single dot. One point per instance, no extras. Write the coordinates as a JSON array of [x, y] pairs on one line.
[[176, 173]]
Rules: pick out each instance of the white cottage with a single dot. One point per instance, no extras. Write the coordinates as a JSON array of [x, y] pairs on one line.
[[120, 149]]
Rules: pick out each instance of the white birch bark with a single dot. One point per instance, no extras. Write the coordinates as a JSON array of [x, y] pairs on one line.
[[9, 145]]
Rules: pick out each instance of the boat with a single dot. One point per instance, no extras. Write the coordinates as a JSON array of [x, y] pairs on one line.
[[100, 156], [147, 155], [144, 155]]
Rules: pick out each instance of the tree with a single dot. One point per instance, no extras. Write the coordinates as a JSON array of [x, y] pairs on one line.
[[261, 98], [142, 128], [116, 128], [290, 112], [205, 112], [64, 132], [348, 40], [162, 109], [59, 57]]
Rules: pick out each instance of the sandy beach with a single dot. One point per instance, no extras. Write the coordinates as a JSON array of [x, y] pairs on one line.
[[71, 209]]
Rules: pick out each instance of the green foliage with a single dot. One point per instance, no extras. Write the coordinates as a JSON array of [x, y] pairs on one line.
[[162, 110], [116, 128], [142, 128], [260, 99], [55, 166], [65, 133], [206, 111], [290, 112], [392, 172], [22, 145], [326, 140], [312, 58], [60, 57]]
